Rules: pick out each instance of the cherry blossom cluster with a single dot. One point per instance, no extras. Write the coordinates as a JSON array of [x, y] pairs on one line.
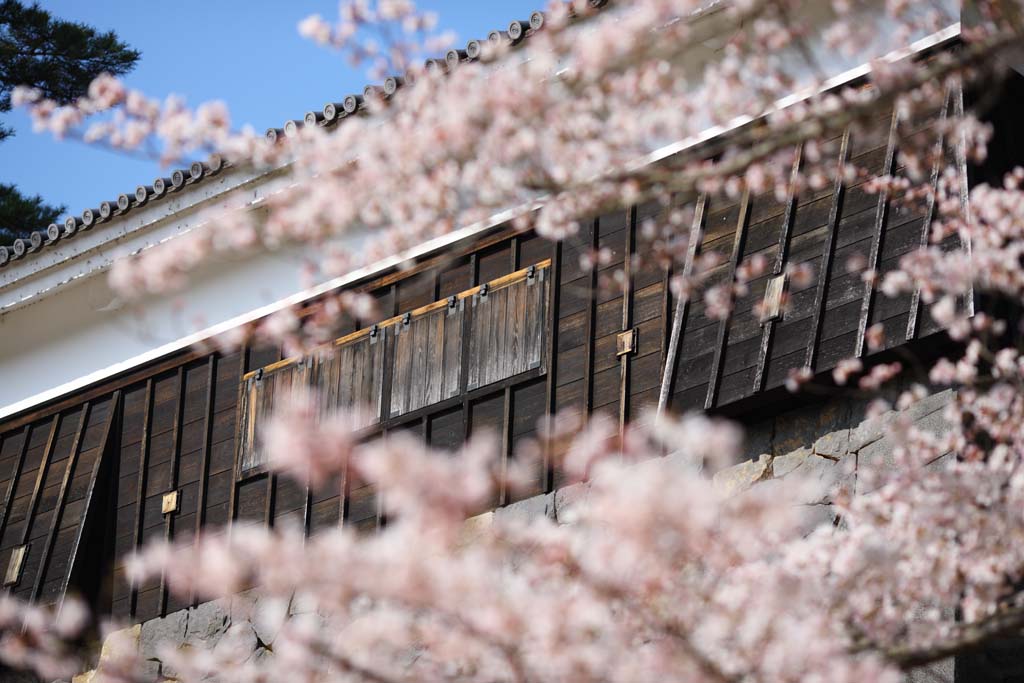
[[653, 573]]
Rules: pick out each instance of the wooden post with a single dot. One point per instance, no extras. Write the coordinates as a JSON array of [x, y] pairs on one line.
[[204, 456], [172, 483], [97, 467], [30, 513], [506, 424], [15, 478], [881, 216], [627, 316], [929, 214], [828, 251], [588, 325], [243, 369], [551, 353], [58, 505], [767, 333], [723, 327], [682, 306], [140, 494]]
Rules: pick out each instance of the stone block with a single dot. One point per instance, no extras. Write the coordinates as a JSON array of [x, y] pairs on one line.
[[238, 643], [158, 634], [569, 498], [207, 623], [834, 444], [783, 465], [930, 404], [741, 477], [690, 461], [934, 423], [869, 431], [269, 616], [530, 508], [475, 527]]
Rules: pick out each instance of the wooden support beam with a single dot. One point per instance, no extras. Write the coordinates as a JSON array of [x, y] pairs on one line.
[[172, 483], [671, 362], [625, 360], [44, 465], [15, 478], [474, 277], [881, 217], [722, 339], [965, 190], [506, 421], [243, 370], [768, 331], [551, 358], [828, 253], [102, 455], [590, 313], [204, 455], [58, 505], [929, 214], [140, 493]]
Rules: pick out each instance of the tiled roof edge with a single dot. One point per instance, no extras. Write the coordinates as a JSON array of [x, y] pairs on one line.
[[331, 114]]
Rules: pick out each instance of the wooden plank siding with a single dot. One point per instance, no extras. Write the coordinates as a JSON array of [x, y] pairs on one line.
[[462, 365]]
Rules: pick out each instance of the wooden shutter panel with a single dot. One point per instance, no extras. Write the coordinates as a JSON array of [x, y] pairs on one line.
[[350, 376], [507, 330], [262, 391], [427, 367]]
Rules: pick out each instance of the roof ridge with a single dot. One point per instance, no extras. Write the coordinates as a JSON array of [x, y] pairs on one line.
[[330, 115]]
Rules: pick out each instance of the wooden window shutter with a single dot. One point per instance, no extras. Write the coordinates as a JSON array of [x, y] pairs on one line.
[[507, 328], [263, 391], [350, 375], [427, 357]]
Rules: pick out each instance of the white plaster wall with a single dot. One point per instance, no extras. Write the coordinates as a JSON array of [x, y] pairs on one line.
[[61, 327]]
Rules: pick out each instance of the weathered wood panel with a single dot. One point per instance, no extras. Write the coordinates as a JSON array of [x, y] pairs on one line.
[[261, 391], [350, 376], [507, 330], [426, 357]]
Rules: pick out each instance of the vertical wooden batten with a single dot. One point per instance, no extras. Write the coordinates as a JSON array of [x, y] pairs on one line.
[[506, 423], [15, 478], [671, 361], [58, 505], [102, 454], [881, 216], [140, 495], [965, 190], [204, 456], [551, 353], [827, 254], [929, 214], [172, 483], [722, 338], [44, 466], [243, 369], [589, 323], [768, 331], [627, 315]]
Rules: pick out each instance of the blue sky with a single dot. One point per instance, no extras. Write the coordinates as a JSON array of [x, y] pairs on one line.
[[245, 52]]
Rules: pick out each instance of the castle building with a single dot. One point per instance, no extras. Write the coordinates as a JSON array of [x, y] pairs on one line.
[[118, 425]]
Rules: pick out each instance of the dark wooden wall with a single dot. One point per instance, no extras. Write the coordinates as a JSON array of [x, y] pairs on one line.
[[173, 426]]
